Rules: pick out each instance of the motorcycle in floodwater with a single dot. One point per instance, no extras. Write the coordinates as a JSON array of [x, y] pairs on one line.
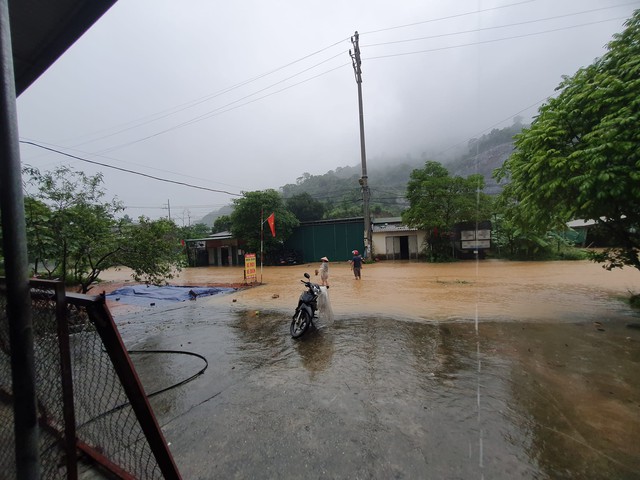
[[306, 309]]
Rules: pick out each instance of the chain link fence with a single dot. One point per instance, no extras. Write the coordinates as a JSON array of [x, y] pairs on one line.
[[89, 398]]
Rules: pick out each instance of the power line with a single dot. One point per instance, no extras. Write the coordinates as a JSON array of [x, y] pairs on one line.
[[79, 152], [127, 170], [481, 42], [176, 109], [220, 111], [475, 12], [179, 108], [480, 29], [153, 207], [224, 109]]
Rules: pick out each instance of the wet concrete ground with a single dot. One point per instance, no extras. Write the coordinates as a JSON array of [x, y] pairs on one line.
[[442, 382]]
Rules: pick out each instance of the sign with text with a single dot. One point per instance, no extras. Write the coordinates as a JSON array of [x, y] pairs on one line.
[[250, 267]]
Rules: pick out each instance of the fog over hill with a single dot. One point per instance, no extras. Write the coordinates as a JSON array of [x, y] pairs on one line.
[[388, 176]]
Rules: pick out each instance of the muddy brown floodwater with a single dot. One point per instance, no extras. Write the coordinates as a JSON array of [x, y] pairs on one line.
[[485, 369], [491, 290]]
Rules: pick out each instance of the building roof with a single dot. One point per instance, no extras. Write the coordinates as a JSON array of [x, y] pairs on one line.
[[390, 224], [41, 31], [333, 221], [375, 221], [581, 223], [215, 236]]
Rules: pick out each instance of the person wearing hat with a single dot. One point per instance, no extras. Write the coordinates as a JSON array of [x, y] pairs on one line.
[[356, 264], [324, 271]]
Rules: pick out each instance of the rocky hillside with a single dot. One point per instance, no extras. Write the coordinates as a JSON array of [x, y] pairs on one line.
[[388, 182], [484, 163]]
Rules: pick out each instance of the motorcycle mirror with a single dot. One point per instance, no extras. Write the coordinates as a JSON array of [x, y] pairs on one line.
[[306, 275]]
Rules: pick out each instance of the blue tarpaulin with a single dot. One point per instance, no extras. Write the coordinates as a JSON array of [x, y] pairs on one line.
[[147, 294]]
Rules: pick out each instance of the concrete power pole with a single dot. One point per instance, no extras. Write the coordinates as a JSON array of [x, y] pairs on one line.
[[356, 61]]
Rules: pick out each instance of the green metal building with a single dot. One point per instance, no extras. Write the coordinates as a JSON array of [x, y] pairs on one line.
[[335, 239]]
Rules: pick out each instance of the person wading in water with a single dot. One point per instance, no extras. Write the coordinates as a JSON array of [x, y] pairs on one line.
[[356, 264], [324, 271]]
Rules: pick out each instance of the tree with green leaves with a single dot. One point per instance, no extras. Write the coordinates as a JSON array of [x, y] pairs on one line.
[[70, 226], [438, 201], [152, 249], [222, 224], [73, 233], [246, 218], [305, 207], [197, 230], [580, 159]]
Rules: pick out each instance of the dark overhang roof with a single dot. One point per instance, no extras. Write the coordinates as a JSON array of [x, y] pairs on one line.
[[333, 221], [42, 30]]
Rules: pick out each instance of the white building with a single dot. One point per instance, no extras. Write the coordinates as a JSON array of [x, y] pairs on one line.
[[392, 240]]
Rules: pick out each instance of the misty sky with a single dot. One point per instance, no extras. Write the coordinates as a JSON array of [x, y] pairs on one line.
[[241, 96]]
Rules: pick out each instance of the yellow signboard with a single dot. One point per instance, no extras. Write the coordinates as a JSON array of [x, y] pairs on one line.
[[250, 267]]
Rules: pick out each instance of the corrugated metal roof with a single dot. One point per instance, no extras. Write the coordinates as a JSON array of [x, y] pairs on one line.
[[392, 227], [581, 223], [376, 221], [215, 236], [333, 221]]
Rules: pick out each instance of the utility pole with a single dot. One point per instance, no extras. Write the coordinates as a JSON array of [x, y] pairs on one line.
[[169, 208], [357, 62]]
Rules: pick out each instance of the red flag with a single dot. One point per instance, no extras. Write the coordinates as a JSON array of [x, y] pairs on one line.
[[271, 219]]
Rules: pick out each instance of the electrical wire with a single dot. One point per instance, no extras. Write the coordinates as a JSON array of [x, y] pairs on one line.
[[495, 40], [78, 152], [220, 110], [449, 17], [127, 170], [173, 110], [224, 109], [495, 27], [174, 352], [157, 392]]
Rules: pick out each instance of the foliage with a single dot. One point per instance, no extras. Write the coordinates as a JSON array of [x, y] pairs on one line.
[[246, 221], [340, 191], [70, 228], [198, 230], [349, 206], [152, 249], [305, 207], [73, 233], [439, 201], [494, 138], [580, 157], [222, 224], [509, 241]]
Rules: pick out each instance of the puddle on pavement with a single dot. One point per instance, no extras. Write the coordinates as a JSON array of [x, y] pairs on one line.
[[535, 376], [512, 400]]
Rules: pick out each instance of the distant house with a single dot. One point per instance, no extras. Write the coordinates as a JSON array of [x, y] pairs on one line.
[[577, 231], [392, 240], [219, 249]]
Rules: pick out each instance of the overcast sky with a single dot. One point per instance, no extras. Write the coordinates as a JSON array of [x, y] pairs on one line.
[[242, 96]]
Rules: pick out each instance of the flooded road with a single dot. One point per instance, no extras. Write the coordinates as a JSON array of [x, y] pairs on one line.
[[489, 370], [490, 289]]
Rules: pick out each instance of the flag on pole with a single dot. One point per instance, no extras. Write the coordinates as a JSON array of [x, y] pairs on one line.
[[271, 220]]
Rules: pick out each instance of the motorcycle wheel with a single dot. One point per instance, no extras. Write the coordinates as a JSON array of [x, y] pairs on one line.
[[300, 323]]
